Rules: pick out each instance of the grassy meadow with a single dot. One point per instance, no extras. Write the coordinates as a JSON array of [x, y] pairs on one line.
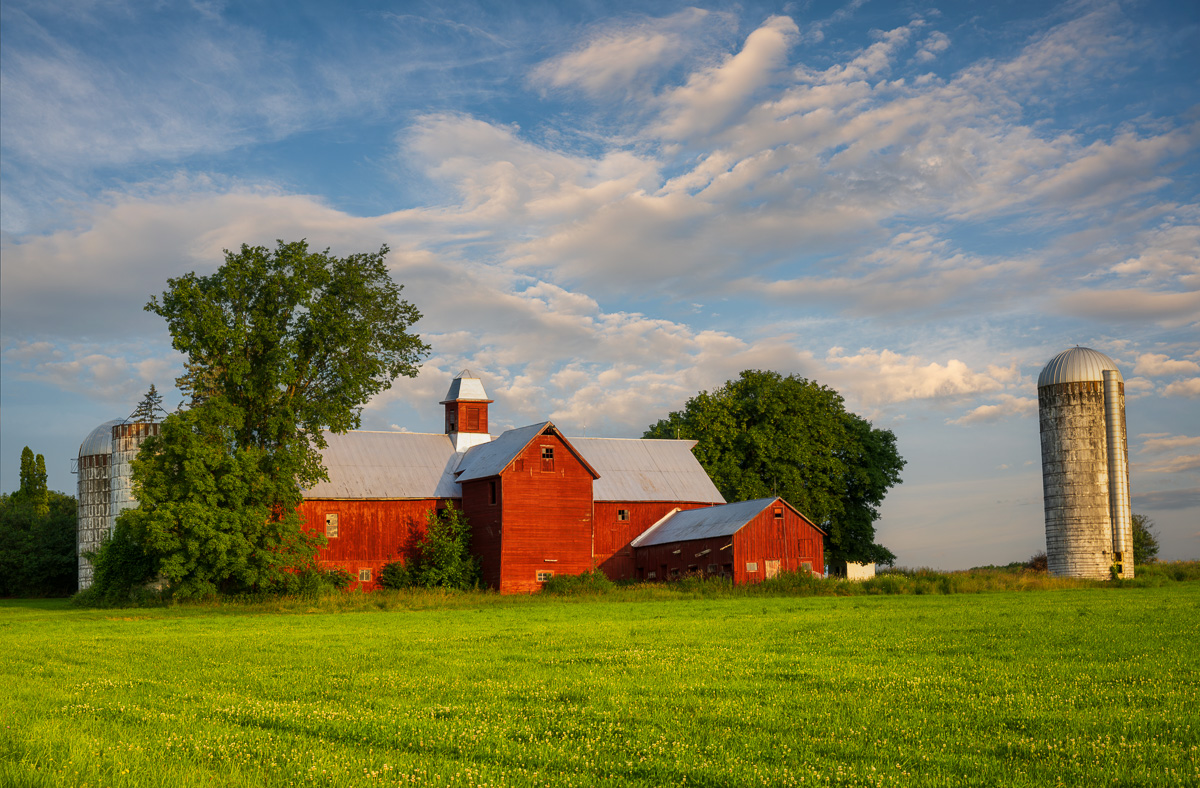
[[1081, 685]]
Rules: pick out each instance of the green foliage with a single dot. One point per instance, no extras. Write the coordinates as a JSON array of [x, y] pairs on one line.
[[33, 491], [395, 575], [280, 345], [1145, 540], [216, 515], [149, 409], [37, 544], [440, 559], [590, 583], [764, 434], [121, 568], [296, 341]]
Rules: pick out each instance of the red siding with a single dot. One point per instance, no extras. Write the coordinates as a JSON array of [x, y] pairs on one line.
[[792, 542], [612, 552], [546, 516], [370, 533], [484, 518]]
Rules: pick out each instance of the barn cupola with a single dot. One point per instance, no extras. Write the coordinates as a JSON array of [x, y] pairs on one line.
[[467, 411]]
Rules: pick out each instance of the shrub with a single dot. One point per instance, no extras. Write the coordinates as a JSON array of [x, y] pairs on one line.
[[395, 575], [121, 569], [1038, 562], [586, 584]]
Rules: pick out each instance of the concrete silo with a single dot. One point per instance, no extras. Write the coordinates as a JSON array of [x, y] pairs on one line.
[[105, 483], [1085, 466], [94, 494]]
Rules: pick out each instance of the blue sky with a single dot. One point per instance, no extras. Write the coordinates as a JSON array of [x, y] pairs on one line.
[[602, 209]]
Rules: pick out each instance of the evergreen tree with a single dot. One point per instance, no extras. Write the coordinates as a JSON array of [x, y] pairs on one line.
[[149, 408]]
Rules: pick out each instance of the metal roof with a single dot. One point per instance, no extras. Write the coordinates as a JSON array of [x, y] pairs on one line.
[[99, 440], [633, 469], [466, 387], [706, 523], [1077, 365], [491, 458], [402, 465]]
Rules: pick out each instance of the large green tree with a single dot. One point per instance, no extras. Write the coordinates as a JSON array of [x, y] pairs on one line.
[[765, 434], [1145, 540], [280, 344]]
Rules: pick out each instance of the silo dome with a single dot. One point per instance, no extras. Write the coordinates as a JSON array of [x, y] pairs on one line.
[[99, 441], [1077, 365]]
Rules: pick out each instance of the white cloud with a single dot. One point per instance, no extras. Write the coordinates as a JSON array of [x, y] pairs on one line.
[[1183, 388], [1178, 464], [1007, 407], [878, 377], [712, 96], [1159, 365], [1159, 443], [623, 58], [1132, 305]]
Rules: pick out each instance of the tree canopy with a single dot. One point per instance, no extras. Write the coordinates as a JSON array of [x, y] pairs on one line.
[[37, 536], [280, 345], [765, 434], [1145, 540]]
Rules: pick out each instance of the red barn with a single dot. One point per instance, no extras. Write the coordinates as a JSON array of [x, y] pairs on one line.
[[749, 541], [539, 503]]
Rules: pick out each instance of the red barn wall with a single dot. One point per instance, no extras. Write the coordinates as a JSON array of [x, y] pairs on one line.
[[612, 552], [546, 514], [792, 542], [370, 533], [484, 518]]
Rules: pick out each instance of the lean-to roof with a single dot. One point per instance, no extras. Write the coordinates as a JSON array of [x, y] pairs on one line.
[[707, 523]]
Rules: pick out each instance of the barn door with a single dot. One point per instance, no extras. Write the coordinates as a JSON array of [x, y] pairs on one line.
[[772, 569]]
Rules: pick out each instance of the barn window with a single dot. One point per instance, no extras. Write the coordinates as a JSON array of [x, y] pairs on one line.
[[331, 526], [778, 512], [752, 566], [651, 575], [451, 418], [675, 572], [364, 575], [547, 458], [806, 566], [544, 574], [472, 419], [714, 568], [492, 492], [623, 515]]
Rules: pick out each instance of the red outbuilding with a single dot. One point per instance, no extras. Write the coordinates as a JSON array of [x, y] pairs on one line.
[[538, 503], [749, 541]]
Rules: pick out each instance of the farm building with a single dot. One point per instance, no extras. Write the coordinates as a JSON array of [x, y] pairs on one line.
[[539, 503], [748, 541]]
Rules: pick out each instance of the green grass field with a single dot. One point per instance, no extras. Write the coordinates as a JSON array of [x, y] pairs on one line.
[[1089, 686]]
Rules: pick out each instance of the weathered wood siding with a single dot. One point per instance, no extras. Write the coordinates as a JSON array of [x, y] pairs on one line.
[[792, 541], [484, 518], [612, 552], [546, 516], [370, 533]]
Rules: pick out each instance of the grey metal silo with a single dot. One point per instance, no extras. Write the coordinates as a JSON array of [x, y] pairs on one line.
[[94, 494], [1085, 466]]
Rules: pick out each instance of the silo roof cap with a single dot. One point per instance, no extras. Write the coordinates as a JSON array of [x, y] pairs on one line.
[[466, 387], [99, 441], [1077, 365]]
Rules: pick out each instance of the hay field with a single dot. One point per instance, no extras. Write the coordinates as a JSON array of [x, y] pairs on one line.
[[1090, 687]]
